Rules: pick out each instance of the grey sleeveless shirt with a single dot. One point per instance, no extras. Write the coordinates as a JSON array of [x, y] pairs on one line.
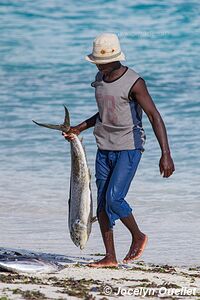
[[119, 125]]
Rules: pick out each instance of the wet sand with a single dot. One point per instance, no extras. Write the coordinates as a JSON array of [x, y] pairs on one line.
[[78, 281]]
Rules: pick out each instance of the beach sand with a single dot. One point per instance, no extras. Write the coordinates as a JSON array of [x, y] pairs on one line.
[[78, 281]]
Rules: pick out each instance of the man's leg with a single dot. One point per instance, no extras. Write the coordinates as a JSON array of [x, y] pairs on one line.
[[103, 172], [122, 175], [139, 239], [110, 258]]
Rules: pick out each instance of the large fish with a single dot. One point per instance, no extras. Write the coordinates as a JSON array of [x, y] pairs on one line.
[[23, 261], [80, 217], [28, 265]]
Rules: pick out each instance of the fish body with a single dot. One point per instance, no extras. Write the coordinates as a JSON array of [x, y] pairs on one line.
[[80, 217], [28, 265], [80, 198], [24, 261]]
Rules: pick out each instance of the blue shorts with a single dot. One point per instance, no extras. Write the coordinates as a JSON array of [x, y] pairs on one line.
[[114, 173]]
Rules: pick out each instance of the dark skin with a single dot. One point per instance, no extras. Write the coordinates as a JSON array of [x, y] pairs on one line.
[[139, 93]]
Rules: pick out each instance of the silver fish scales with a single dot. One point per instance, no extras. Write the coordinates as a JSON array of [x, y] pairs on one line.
[[80, 217]]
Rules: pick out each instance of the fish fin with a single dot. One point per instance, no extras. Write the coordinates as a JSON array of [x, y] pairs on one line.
[[94, 219], [81, 140], [65, 127], [51, 126], [67, 118]]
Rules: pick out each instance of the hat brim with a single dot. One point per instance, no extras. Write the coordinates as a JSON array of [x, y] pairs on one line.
[[95, 60]]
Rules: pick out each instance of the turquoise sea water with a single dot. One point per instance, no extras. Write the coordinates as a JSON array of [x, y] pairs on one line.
[[42, 67]]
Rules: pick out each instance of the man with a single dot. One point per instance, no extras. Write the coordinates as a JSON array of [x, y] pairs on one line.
[[121, 95]]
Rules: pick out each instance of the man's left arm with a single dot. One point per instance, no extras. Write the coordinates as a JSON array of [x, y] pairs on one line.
[[140, 93]]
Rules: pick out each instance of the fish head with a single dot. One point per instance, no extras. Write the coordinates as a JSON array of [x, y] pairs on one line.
[[79, 234]]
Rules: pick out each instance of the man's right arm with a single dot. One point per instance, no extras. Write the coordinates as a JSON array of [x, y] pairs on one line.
[[88, 123], [80, 127]]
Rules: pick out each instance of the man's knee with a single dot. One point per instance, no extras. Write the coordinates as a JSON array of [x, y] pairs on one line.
[[112, 201]]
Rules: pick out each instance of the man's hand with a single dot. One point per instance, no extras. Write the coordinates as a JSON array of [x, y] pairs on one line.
[[69, 136], [166, 165]]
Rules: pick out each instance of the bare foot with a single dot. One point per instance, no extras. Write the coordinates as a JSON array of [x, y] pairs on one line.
[[136, 249], [107, 261]]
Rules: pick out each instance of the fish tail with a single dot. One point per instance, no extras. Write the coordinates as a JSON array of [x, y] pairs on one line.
[[65, 127], [67, 118]]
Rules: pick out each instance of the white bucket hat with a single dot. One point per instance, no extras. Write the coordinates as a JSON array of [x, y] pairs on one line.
[[106, 49]]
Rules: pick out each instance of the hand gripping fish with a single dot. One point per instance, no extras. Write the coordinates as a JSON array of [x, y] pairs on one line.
[[80, 217]]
